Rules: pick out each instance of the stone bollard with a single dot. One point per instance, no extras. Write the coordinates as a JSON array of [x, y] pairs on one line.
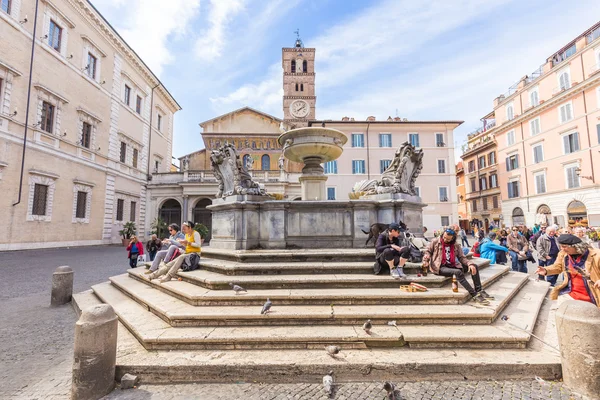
[[62, 286], [578, 325], [95, 353]]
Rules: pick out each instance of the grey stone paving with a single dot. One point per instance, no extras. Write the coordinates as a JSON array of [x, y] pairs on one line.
[[36, 344]]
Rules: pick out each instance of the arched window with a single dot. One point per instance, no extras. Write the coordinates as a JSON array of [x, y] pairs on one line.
[[265, 162], [296, 87], [518, 216], [254, 145], [304, 66], [293, 66], [302, 87]]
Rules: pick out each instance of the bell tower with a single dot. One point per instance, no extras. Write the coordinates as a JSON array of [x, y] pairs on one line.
[[299, 98]]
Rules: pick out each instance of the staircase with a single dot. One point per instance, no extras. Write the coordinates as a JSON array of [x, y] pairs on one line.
[[197, 329]]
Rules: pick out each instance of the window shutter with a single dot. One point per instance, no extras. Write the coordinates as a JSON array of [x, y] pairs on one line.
[[517, 187], [516, 161], [563, 115], [575, 141], [510, 192], [353, 167], [566, 144], [508, 163], [569, 111], [570, 181], [598, 131]]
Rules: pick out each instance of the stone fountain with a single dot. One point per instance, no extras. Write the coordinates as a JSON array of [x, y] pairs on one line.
[[312, 146]]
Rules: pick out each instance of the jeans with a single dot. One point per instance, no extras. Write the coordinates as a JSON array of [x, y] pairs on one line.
[[152, 254], [518, 265], [163, 255], [544, 263], [460, 277], [465, 240], [133, 260], [501, 257]]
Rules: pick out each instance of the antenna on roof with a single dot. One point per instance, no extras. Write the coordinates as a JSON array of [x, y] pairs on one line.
[[396, 112], [298, 40]]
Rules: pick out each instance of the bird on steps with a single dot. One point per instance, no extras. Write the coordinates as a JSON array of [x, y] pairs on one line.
[[266, 307], [390, 388], [333, 350], [328, 383], [237, 289], [367, 327]]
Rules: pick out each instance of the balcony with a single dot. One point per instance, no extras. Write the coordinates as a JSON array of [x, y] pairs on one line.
[[207, 176], [561, 89]]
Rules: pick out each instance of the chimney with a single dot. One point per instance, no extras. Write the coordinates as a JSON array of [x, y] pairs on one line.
[[345, 119], [371, 118], [390, 119], [397, 119], [352, 119]]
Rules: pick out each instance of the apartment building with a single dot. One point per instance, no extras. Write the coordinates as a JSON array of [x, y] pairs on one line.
[[99, 123], [548, 137], [463, 215]]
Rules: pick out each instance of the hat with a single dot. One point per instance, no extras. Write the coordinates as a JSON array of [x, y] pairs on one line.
[[394, 227], [568, 239]]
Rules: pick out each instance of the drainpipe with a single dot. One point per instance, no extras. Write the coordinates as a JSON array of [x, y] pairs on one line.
[[148, 176], [524, 159], [587, 126], [368, 153], [35, 18]]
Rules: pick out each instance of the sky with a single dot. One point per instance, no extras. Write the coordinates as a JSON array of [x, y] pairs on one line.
[[417, 59]]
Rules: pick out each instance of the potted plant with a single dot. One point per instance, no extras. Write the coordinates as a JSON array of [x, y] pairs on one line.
[[202, 230], [127, 232]]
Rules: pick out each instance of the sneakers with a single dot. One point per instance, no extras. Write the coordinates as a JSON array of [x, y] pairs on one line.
[[397, 273], [165, 278], [148, 272], [484, 294], [479, 299]]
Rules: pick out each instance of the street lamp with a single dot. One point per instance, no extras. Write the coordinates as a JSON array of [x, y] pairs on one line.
[[578, 172]]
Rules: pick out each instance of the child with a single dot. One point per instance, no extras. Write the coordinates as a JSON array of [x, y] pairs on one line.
[[134, 250]]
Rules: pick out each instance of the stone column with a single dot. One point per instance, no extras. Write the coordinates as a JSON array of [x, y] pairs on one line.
[[184, 210], [578, 325], [62, 286], [95, 353], [312, 180]]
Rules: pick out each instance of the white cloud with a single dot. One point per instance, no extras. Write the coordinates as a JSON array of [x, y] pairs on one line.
[[147, 25], [212, 40]]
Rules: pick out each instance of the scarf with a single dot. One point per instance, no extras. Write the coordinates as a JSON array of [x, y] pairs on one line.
[[448, 255], [578, 264]]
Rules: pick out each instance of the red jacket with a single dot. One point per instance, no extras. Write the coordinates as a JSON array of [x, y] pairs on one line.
[[140, 247]]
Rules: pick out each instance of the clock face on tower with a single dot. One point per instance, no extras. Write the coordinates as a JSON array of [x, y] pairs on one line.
[[299, 108]]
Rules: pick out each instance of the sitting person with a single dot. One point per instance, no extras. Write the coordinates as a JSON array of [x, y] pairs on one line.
[[134, 250], [440, 257], [173, 245], [476, 249], [153, 246], [489, 250], [389, 253], [191, 244], [581, 264]]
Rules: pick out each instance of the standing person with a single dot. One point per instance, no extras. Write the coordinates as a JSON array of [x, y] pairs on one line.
[[533, 240], [490, 250], [547, 249], [480, 235], [581, 234], [518, 247], [134, 250], [463, 238], [152, 246], [389, 253], [581, 264], [171, 244], [444, 257]]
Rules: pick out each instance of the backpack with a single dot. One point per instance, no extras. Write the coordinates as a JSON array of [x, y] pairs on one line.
[[191, 262]]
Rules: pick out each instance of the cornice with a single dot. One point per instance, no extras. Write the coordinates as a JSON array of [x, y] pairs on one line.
[[299, 49], [299, 73]]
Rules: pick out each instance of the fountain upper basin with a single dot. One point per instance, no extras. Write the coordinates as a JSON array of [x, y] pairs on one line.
[[324, 143]]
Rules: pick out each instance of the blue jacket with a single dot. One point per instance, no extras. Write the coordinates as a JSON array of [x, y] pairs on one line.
[[488, 250]]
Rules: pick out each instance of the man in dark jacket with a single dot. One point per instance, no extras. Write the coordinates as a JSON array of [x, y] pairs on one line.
[[389, 253]]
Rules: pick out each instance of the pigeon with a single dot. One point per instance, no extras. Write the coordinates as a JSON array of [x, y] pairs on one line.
[[333, 350], [367, 326], [237, 289], [390, 388], [392, 323], [328, 383], [267, 307]]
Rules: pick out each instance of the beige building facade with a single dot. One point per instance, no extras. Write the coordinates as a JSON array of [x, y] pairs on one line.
[[100, 122]]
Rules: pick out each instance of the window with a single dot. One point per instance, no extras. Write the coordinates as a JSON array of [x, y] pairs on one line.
[[483, 183], [40, 197], [439, 140], [565, 112], [513, 189], [472, 166], [571, 142], [138, 105], [156, 165], [330, 193], [534, 126], [132, 211], [134, 160], [538, 153], [127, 94], [481, 162], [86, 135], [385, 140], [384, 164], [81, 204], [493, 181], [492, 158], [358, 166], [443, 193], [484, 203], [445, 220], [510, 138], [474, 205], [265, 162], [413, 138], [6, 4], [564, 81], [441, 166], [296, 87], [358, 140], [495, 202], [331, 167], [120, 206], [534, 97], [473, 186], [159, 126], [304, 66], [510, 112], [123, 154], [540, 183], [47, 117], [302, 87], [293, 66], [91, 66], [54, 35], [572, 177], [512, 162]]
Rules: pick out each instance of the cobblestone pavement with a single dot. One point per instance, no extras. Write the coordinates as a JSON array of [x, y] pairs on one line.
[[36, 344]]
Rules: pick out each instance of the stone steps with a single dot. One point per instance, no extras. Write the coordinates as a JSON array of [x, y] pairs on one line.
[[200, 296], [299, 255], [179, 313]]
